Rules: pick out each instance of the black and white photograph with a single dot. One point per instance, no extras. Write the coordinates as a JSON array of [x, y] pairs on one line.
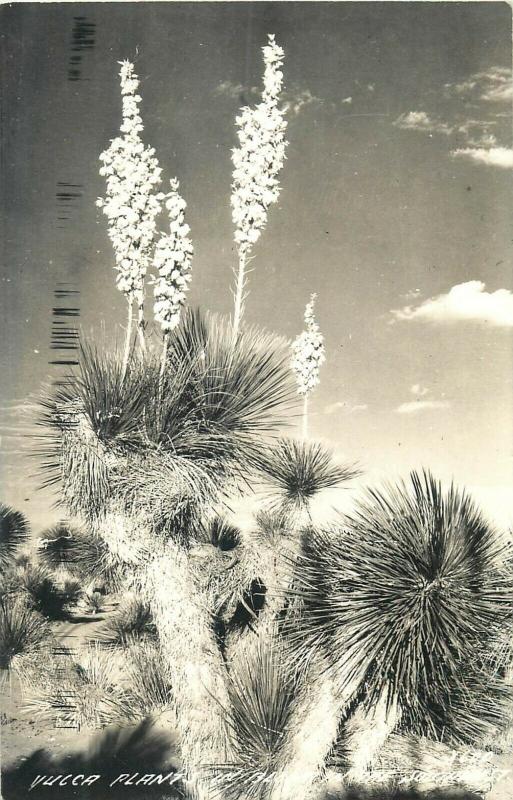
[[256, 400]]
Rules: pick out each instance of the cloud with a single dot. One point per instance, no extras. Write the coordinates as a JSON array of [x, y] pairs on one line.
[[418, 390], [493, 156], [465, 302], [420, 121], [339, 405], [235, 90], [484, 139], [294, 100], [414, 406], [493, 85]]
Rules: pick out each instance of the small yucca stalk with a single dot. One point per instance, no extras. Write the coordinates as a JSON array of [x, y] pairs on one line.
[[132, 173], [257, 162], [172, 260], [308, 353]]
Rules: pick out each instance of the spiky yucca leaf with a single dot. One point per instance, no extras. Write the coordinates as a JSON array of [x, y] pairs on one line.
[[298, 470], [262, 690], [14, 532], [405, 593]]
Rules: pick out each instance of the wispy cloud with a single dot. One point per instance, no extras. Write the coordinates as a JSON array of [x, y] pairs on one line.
[[235, 90], [465, 302], [421, 121], [418, 390], [297, 101], [493, 85], [493, 156], [415, 406], [293, 100], [349, 409], [470, 112]]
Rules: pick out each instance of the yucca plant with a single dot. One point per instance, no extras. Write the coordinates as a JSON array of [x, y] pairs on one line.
[[43, 594], [24, 635], [262, 692], [132, 621], [60, 547], [400, 597], [14, 532], [81, 552], [296, 471], [197, 420]]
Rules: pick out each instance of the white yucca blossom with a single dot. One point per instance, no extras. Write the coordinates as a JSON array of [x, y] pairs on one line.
[[172, 260], [261, 132], [308, 352], [132, 173], [257, 162]]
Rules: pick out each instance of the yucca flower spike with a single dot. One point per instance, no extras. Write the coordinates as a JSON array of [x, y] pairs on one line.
[[308, 354], [257, 162]]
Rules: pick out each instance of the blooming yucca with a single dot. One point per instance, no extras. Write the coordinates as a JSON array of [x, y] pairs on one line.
[[308, 354], [261, 133], [132, 173], [172, 260]]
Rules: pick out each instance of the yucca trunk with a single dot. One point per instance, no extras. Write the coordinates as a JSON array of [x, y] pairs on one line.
[[309, 737], [196, 668], [274, 563]]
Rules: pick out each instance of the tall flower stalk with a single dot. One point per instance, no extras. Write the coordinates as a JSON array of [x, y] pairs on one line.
[[130, 204], [257, 162], [308, 353], [172, 260]]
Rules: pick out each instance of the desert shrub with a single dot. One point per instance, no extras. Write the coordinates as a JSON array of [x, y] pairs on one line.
[[94, 602]]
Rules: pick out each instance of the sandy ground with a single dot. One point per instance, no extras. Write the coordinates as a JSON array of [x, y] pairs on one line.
[[19, 734]]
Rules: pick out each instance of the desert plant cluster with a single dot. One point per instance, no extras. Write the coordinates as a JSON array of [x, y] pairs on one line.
[[281, 649]]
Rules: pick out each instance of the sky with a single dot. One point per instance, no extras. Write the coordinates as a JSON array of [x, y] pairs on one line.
[[395, 209]]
